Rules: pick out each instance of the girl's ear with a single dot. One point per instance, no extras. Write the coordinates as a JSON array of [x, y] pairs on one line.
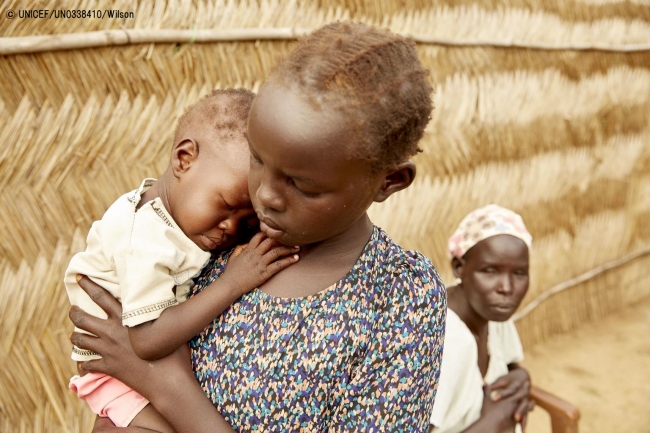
[[457, 267], [184, 154], [398, 178]]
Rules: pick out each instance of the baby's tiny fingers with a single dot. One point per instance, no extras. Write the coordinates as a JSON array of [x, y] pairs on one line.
[[278, 252], [257, 239], [238, 250], [266, 245], [280, 264]]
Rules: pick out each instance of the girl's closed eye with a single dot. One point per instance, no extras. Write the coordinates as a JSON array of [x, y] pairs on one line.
[[301, 191]]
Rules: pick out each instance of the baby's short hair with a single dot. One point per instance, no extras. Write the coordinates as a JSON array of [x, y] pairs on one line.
[[224, 110]]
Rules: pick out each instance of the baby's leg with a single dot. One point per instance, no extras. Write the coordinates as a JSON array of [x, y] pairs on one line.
[[108, 397], [150, 418]]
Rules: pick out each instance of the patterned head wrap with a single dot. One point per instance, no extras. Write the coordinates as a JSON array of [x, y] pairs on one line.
[[483, 223]]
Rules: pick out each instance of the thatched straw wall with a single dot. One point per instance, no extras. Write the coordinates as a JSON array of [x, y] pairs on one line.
[[525, 116]]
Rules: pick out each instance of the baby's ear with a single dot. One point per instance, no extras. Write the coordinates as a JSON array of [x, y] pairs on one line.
[[184, 153], [396, 178]]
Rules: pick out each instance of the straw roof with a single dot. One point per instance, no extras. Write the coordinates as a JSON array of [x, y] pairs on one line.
[[525, 116]]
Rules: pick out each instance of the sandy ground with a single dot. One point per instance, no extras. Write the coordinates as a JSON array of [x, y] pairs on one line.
[[602, 368]]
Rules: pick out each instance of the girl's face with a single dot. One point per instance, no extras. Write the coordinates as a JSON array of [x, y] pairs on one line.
[[304, 185], [494, 275]]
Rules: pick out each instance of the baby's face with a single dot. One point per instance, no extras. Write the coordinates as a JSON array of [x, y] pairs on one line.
[[211, 203]]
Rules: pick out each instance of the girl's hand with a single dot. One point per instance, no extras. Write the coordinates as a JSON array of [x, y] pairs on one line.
[[251, 265], [112, 343], [168, 383], [510, 384]]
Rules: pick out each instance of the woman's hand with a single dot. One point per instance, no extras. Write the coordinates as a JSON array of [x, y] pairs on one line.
[[112, 343], [515, 383]]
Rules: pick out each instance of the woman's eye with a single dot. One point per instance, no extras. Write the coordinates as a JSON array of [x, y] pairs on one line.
[[490, 270]]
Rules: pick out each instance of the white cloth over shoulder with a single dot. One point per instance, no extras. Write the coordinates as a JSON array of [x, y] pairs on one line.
[[140, 256], [460, 390]]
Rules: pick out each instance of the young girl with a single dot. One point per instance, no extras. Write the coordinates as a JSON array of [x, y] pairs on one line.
[[152, 241], [350, 337]]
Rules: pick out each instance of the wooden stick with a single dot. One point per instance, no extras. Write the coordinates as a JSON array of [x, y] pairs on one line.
[[578, 280], [71, 41]]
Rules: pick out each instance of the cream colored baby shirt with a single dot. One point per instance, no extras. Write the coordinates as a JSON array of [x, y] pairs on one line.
[[460, 390], [140, 257]]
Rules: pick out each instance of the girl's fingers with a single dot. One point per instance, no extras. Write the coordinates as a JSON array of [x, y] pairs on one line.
[[85, 321], [278, 252], [101, 297], [93, 366], [85, 341]]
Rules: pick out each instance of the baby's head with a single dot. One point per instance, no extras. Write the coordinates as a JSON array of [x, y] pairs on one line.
[[207, 192], [333, 129]]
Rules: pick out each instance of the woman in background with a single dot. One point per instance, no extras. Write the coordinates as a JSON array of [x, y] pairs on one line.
[[482, 387]]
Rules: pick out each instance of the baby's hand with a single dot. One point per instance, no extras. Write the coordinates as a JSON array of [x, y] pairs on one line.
[[252, 264]]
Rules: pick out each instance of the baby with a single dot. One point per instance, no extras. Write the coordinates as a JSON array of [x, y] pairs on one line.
[[152, 241]]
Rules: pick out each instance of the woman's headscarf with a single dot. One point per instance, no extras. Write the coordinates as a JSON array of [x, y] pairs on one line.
[[483, 223]]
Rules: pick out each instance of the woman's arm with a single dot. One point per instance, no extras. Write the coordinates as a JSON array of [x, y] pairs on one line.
[[168, 383], [517, 378], [505, 403], [496, 415]]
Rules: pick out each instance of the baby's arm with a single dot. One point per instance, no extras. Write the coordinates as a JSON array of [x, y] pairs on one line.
[[169, 384], [259, 261]]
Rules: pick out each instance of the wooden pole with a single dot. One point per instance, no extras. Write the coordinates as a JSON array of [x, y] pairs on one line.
[[72, 41]]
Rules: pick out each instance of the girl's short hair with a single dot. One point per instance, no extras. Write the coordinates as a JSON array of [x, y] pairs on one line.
[[374, 77]]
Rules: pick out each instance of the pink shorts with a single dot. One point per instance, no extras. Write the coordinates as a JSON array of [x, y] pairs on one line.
[[108, 397]]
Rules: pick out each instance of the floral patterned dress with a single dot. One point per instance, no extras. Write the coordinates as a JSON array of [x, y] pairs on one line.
[[362, 355]]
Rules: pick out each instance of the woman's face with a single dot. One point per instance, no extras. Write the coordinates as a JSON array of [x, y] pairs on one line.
[[304, 185], [494, 275]]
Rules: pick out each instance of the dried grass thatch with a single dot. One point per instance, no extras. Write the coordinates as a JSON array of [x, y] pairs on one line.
[[558, 134]]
